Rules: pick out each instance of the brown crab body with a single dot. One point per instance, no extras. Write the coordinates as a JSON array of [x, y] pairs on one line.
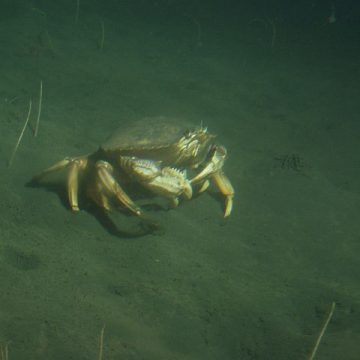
[[158, 139], [155, 152]]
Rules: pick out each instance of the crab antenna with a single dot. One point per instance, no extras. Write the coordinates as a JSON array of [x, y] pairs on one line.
[[202, 128]]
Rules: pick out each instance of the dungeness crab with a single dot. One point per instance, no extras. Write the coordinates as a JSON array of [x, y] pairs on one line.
[[155, 152]]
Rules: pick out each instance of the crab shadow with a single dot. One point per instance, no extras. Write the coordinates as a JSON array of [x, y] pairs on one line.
[[118, 223]]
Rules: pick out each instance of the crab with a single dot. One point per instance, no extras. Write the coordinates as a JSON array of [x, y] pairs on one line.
[[156, 153]]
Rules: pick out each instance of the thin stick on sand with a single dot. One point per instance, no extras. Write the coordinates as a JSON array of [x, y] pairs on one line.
[[101, 347], [39, 110], [273, 31], [322, 332], [21, 135], [199, 42], [4, 352], [267, 22]]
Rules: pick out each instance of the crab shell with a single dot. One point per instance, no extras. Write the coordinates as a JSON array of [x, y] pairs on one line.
[[167, 140]]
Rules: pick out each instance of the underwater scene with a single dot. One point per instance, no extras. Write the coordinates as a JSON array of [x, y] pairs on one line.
[[180, 180]]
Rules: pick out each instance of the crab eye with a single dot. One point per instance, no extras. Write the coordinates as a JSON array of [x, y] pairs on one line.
[[187, 133]]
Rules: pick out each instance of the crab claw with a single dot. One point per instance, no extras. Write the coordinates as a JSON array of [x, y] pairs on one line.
[[142, 169], [214, 170], [177, 181], [171, 183], [215, 164], [168, 182]]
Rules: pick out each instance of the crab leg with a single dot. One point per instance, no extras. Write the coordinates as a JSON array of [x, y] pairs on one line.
[[96, 192], [204, 186], [76, 165], [104, 171], [224, 185], [62, 164]]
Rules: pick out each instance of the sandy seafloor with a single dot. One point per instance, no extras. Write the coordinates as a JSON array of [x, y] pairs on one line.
[[256, 286]]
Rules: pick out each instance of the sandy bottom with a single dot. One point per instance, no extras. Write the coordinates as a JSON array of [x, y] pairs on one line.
[[257, 286]]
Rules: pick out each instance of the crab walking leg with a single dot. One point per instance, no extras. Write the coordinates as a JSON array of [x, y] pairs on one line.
[[104, 171], [76, 165], [205, 185], [96, 193], [224, 185], [62, 164]]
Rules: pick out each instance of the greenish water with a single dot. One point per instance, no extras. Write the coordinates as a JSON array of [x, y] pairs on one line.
[[279, 87]]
